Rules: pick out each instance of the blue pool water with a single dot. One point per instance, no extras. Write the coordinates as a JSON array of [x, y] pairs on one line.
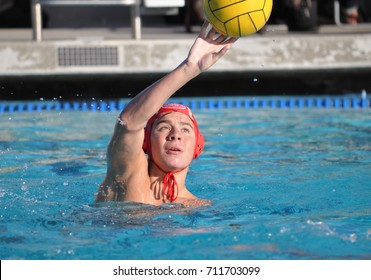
[[285, 184]]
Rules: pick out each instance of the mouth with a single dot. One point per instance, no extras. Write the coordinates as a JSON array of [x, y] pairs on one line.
[[173, 150]]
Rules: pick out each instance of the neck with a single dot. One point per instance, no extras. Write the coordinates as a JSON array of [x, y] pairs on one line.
[[170, 186]]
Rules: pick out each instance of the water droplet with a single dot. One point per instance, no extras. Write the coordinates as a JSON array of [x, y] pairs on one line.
[[368, 235], [353, 237], [364, 94]]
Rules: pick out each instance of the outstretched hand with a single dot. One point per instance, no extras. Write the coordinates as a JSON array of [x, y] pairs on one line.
[[209, 47]]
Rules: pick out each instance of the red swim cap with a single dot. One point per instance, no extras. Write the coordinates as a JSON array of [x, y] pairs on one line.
[[200, 142]]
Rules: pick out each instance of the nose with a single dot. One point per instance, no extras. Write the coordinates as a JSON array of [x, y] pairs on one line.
[[174, 135]]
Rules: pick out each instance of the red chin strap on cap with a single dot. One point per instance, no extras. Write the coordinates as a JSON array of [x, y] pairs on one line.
[[170, 188]]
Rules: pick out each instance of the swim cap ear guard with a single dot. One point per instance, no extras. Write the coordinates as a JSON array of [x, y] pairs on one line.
[[200, 141]]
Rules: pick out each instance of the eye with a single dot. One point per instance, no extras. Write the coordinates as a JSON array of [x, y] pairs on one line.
[[186, 130], [163, 127]]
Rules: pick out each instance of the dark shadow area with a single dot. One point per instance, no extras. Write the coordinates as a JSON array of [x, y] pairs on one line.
[[208, 84]]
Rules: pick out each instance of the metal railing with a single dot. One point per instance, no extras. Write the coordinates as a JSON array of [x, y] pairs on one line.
[[135, 5]]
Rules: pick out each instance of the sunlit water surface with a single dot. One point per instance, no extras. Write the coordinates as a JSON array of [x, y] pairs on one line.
[[285, 184]]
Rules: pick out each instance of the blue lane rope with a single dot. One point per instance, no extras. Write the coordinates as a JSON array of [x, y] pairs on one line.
[[346, 102]]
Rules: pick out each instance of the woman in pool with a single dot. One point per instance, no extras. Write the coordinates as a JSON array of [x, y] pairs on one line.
[[167, 133]]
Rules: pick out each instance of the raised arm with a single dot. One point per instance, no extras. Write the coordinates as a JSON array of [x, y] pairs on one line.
[[125, 154], [207, 49]]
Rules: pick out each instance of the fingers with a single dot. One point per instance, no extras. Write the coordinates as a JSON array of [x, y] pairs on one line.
[[209, 33], [221, 38], [204, 28], [230, 40]]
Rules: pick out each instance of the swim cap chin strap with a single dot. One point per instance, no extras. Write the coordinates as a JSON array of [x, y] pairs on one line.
[[170, 186]]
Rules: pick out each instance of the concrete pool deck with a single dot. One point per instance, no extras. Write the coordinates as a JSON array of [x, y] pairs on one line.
[[329, 57]]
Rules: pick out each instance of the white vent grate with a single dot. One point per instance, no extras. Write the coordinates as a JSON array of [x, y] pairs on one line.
[[87, 56]]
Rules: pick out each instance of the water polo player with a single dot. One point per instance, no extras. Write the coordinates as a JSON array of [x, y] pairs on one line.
[[167, 133]]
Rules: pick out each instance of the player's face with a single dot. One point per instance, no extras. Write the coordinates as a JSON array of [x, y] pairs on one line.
[[173, 141]]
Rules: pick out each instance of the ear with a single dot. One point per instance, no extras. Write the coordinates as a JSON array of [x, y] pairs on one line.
[[200, 143]]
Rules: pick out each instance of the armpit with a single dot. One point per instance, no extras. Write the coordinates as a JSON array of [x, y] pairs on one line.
[[111, 192]]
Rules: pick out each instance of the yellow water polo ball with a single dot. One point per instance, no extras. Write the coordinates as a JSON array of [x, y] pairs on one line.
[[237, 18]]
